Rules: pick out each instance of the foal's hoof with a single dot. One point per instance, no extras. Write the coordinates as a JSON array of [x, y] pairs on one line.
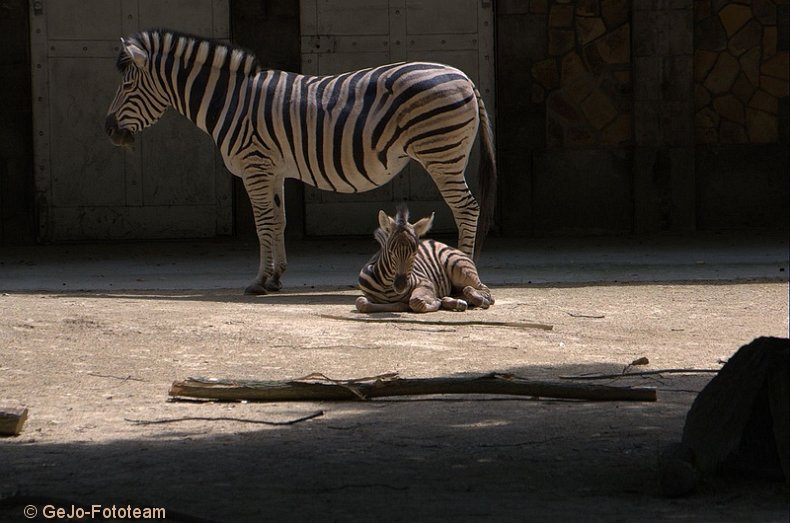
[[477, 299], [363, 305], [255, 289]]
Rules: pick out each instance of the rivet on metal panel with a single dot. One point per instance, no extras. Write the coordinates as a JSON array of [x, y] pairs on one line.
[[38, 8], [397, 11]]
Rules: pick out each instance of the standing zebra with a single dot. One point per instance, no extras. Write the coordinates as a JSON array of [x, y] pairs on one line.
[[418, 275], [346, 133]]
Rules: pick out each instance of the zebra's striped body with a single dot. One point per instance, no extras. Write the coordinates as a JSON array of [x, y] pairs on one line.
[[418, 275], [345, 133]]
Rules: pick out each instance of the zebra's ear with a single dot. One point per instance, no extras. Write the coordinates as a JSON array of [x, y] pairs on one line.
[[385, 222], [424, 225], [136, 53]]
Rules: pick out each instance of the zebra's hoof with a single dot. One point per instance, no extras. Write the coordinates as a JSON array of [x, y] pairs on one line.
[[255, 289], [273, 284], [461, 306], [362, 304]]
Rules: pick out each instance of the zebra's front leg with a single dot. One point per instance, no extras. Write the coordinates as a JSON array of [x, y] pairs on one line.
[[365, 305], [280, 262], [260, 189], [454, 304], [423, 299]]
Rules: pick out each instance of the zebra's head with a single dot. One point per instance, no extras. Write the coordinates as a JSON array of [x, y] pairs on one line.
[[139, 100], [400, 241]]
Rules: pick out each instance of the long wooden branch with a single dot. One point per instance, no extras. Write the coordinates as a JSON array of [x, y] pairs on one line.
[[320, 388]]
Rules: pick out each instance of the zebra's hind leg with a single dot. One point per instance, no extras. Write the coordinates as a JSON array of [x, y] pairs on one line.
[[478, 297], [449, 178], [465, 277]]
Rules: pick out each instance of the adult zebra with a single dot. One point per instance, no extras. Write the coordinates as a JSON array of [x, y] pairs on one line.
[[346, 133]]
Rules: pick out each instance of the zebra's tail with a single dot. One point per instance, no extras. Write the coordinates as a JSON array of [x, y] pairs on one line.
[[487, 179]]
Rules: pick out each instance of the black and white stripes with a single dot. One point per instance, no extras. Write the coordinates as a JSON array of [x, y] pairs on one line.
[[345, 133], [410, 274]]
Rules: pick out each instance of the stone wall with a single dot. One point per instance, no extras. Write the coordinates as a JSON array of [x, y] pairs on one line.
[[621, 115], [585, 80], [740, 70]]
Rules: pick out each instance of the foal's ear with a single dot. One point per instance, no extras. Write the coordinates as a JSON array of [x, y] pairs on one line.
[[385, 222], [136, 53], [424, 225]]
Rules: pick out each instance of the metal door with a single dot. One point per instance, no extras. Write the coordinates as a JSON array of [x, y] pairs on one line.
[[172, 184], [343, 35]]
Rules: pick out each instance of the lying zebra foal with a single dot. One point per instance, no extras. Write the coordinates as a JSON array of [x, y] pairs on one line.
[[418, 275]]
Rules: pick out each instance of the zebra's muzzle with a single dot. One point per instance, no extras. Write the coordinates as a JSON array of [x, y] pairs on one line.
[[400, 282], [118, 136]]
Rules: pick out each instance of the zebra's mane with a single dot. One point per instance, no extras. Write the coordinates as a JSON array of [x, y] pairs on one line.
[[154, 41], [402, 215]]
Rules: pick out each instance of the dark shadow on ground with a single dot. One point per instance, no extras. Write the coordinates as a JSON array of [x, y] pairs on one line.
[[454, 458]]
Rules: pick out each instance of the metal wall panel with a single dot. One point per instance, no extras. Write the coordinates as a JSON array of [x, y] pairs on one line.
[[172, 184], [344, 35]]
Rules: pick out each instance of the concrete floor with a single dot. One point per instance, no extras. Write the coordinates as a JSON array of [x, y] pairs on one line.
[[67, 355], [228, 264]]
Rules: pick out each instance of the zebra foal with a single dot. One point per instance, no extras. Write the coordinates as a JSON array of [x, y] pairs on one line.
[[345, 133], [410, 274]]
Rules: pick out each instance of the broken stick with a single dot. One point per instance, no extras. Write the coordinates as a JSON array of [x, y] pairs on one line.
[[389, 385], [11, 420]]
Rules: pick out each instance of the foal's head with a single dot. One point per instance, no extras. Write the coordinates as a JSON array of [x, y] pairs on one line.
[[399, 242]]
